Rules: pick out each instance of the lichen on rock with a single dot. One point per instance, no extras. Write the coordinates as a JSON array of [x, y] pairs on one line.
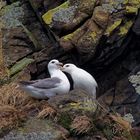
[[135, 80], [47, 17], [11, 15], [132, 6], [69, 14], [64, 15], [125, 28], [113, 26]]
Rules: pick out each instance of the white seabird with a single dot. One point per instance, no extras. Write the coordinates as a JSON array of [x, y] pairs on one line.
[[48, 87], [82, 79]]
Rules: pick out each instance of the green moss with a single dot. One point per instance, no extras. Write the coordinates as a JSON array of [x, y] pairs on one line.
[[124, 29], [113, 27], [47, 17], [65, 120], [20, 65]]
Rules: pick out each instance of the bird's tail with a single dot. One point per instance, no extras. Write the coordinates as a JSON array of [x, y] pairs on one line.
[[24, 83]]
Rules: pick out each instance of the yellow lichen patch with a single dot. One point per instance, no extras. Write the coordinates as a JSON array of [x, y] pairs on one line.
[[125, 1], [93, 35], [131, 9], [135, 2], [86, 105], [112, 27], [70, 36], [47, 17], [125, 28]]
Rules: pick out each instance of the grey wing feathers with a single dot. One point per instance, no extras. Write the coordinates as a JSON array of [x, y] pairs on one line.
[[27, 82], [46, 83]]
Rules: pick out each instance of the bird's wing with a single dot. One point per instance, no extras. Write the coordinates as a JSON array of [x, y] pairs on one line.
[[43, 83]]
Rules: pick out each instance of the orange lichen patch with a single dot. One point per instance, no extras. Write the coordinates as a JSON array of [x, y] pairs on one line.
[[81, 124]]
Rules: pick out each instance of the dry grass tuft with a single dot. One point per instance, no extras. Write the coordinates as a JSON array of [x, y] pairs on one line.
[[81, 124], [10, 117], [125, 125], [11, 95], [47, 112], [15, 105]]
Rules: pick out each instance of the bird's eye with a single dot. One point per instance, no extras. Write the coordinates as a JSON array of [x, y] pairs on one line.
[[53, 62], [67, 65]]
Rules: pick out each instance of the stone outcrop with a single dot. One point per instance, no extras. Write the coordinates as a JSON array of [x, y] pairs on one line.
[[38, 129], [101, 37]]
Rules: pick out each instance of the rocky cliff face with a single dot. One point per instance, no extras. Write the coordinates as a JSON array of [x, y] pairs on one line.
[[100, 36]]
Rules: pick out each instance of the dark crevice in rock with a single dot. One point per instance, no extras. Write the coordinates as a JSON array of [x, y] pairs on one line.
[[28, 55], [8, 2], [45, 27]]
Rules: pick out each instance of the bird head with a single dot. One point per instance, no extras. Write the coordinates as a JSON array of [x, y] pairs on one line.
[[68, 68], [54, 64]]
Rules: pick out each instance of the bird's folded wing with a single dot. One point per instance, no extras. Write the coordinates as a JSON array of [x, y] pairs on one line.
[[43, 83]]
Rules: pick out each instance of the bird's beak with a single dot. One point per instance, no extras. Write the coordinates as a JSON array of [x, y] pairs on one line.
[[60, 65], [62, 68]]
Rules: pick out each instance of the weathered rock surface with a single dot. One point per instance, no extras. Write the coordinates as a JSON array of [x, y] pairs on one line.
[[21, 35], [21, 32], [38, 130], [124, 96], [69, 14], [134, 78], [102, 37], [89, 22], [73, 102]]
